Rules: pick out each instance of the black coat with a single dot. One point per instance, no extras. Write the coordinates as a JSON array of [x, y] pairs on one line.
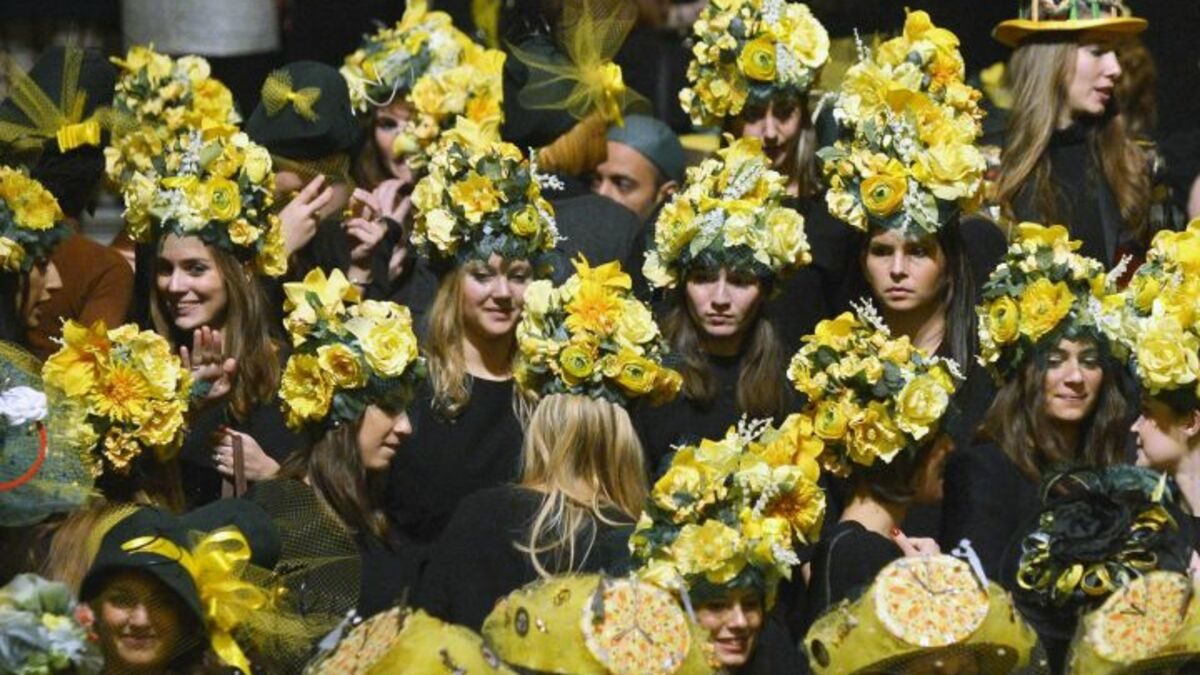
[[845, 562]]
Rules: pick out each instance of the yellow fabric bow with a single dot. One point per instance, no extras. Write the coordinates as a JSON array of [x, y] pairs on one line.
[[73, 136], [216, 564], [277, 93]]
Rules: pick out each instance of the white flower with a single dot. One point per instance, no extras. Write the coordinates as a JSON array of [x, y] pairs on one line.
[[22, 405]]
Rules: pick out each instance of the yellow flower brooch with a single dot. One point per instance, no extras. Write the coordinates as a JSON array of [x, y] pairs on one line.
[[481, 197], [348, 353], [156, 99], [730, 212], [31, 222], [591, 336], [1043, 291], [870, 396], [730, 513], [135, 391], [905, 158], [749, 52], [217, 188]]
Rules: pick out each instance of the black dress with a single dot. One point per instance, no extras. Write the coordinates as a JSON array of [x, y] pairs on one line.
[[987, 500], [476, 562], [845, 562], [774, 653]]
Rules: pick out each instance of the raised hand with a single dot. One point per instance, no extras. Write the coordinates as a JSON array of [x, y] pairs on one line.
[[212, 373], [301, 215]]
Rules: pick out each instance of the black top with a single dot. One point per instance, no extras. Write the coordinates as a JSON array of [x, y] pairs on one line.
[[476, 562], [774, 653], [446, 460], [845, 562], [596, 227], [986, 499]]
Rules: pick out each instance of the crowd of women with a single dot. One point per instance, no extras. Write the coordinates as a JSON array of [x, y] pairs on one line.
[[442, 363]]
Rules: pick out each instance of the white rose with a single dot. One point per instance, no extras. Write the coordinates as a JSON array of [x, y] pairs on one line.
[[22, 405]]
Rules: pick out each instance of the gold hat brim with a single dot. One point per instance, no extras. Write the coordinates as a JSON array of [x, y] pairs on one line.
[[1013, 32]]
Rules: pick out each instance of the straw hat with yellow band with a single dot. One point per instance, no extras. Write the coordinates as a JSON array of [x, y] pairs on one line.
[[31, 222], [596, 625], [924, 614], [1083, 20]]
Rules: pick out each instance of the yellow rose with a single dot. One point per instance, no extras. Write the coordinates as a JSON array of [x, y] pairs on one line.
[[920, 405], [476, 195], [1166, 356], [257, 163], [439, 229], [538, 296], [882, 195], [389, 346], [12, 255], [1043, 305], [787, 237], [874, 435], [635, 325], [578, 361], [757, 60], [1003, 320], [951, 171], [163, 424], [713, 550], [342, 366], [242, 233], [526, 222], [305, 391]]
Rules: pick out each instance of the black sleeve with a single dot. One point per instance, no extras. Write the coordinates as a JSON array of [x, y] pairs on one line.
[[977, 505], [849, 562]]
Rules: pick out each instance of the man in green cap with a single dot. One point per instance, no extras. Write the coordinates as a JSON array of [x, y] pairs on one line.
[[645, 165]]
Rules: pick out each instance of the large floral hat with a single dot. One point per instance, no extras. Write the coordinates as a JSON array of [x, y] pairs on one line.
[[906, 158], [215, 187], [748, 52], [480, 197], [45, 629], [348, 353], [591, 336], [729, 212], [871, 396], [31, 221], [135, 391], [919, 615], [158, 98], [1040, 293], [1094, 19], [1161, 319], [730, 513], [596, 625]]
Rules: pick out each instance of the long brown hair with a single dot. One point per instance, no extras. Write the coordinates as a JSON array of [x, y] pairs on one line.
[[1017, 422], [1041, 72], [247, 330], [762, 390], [803, 171], [333, 467], [584, 456]]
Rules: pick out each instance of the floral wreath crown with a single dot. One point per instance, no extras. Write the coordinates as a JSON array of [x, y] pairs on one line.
[[31, 221], [348, 353], [749, 52], [591, 336], [906, 158], [730, 513], [1040, 293], [870, 396], [729, 212]]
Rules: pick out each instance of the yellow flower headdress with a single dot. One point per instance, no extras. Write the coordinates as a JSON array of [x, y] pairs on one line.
[[591, 336], [136, 392], [730, 513], [871, 396], [158, 98], [349, 353], [1160, 322], [480, 197], [215, 187], [748, 52], [906, 157], [1040, 293], [31, 222], [729, 212], [62, 121]]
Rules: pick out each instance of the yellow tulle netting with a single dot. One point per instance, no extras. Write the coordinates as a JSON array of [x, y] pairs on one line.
[[62, 121]]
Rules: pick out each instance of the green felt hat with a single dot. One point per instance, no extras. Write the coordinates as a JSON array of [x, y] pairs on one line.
[[57, 100], [304, 113]]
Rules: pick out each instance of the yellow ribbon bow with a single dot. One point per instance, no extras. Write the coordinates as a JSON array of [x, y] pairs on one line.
[[277, 93], [73, 136], [216, 564]]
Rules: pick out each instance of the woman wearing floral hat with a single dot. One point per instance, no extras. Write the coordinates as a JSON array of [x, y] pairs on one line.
[[1060, 399], [722, 252], [722, 528], [878, 404], [1068, 157], [582, 484], [31, 225]]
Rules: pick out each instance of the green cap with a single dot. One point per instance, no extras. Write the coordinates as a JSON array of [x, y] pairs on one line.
[[655, 141], [304, 113]]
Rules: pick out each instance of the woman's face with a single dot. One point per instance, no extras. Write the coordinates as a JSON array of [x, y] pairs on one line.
[[42, 280], [380, 435], [1162, 436], [389, 122], [778, 125], [723, 303], [905, 274], [1091, 87], [734, 623], [493, 294], [139, 622], [190, 284], [1071, 384]]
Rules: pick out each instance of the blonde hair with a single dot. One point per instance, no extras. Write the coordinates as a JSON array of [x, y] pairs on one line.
[[583, 455], [76, 540], [1040, 74]]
